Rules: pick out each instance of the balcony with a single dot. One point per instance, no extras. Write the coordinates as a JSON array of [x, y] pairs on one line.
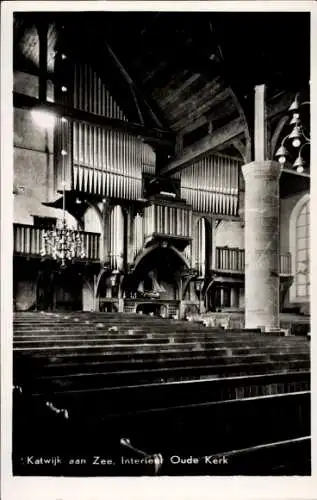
[[286, 264], [170, 221], [27, 241], [231, 260]]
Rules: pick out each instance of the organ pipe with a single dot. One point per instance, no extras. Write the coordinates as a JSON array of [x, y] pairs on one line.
[[138, 234], [168, 220], [108, 162], [187, 253], [210, 184], [105, 162], [92, 95], [117, 228], [63, 142], [200, 247]]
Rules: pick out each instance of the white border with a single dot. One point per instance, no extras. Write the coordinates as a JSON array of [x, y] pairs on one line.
[[117, 488], [162, 5]]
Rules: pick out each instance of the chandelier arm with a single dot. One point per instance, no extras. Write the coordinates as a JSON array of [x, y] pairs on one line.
[[285, 138], [306, 138], [303, 145]]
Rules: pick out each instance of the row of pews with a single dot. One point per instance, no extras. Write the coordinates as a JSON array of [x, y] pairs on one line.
[[146, 395]]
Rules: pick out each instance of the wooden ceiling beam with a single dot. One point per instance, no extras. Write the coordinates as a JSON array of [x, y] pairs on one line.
[[205, 109], [207, 93], [224, 106], [192, 125], [175, 80], [172, 96], [147, 77], [276, 107], [239, 146], [224, 135], [209, 143]]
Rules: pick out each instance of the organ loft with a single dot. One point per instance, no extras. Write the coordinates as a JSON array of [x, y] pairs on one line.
[[161, 237]]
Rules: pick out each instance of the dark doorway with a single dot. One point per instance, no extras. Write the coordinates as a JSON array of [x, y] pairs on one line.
[[59, 289], [45, 290]]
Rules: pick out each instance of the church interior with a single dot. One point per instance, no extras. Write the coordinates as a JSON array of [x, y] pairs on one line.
[[161, 243]]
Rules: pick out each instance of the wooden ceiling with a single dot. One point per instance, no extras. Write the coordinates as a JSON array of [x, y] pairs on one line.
[[193, 73], [26, 44]]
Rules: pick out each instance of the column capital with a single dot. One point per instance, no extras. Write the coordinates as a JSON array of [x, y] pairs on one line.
[[266, 169]]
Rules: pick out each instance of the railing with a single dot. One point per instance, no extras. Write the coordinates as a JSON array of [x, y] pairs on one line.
[[27, 240], [230, 259], [286, 263], [233, 260]]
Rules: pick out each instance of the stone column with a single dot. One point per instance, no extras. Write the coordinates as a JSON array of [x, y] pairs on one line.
[[121, 305], [182, 307], [262, 244]]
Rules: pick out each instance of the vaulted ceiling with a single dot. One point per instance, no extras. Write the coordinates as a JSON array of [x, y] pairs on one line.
[[192, 73]]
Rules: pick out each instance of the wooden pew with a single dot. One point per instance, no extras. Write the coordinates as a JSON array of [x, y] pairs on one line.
[[114, 370], [282, 458], [85, 392], [114, 360], [197, 430], [205, 387]]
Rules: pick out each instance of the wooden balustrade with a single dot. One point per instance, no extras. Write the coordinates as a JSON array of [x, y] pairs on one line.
[[230, 259], [233, 260], [27, 240], [92, 245], [286, 263]]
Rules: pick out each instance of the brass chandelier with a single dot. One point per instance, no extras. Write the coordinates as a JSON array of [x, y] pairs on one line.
[[63, 243], [297, 139]]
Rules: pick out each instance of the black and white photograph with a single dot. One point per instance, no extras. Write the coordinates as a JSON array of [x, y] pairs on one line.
[[161, 243]]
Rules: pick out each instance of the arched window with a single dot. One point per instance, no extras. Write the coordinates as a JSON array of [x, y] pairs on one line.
[[300, 248], [302, 252]]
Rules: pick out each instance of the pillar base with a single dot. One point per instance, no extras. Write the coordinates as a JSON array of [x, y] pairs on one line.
[[121, 305], [261, 322], [182, 308]]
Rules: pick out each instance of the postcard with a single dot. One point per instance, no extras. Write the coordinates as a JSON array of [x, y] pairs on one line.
[[156, 262]]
